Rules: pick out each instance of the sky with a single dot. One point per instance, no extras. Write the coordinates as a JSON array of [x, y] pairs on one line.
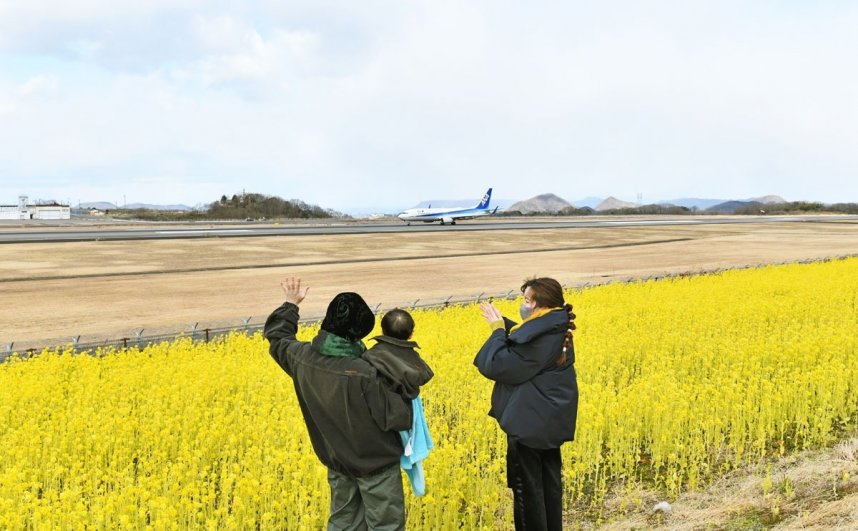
[[383, 104]]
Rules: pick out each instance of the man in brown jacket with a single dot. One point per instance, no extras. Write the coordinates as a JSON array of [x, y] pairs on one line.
[[351, 415]]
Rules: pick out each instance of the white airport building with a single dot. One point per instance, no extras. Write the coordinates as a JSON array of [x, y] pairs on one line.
[[44, 211]]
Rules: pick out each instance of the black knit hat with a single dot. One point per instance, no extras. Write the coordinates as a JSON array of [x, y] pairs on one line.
[[348, 316]]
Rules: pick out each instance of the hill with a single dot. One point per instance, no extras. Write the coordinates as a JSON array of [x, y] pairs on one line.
[[590, 202], [730, 207], [768, 199], [693, 202], [105, 205], [246, 206], [612, 203], [100, 205], [136, 206], [540, 203]]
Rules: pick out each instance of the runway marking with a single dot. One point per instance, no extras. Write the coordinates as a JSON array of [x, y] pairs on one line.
[[202, 231], [649, 222], [267, 231]]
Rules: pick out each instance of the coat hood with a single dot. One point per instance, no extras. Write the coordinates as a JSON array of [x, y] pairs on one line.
[[554, 321]]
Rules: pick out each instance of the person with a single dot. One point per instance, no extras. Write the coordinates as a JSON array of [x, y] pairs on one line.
[[535, 397], [404, 371], [394, 356], [353, 419]]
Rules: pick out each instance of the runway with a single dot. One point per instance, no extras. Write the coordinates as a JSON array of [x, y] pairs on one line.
[[250, 230]]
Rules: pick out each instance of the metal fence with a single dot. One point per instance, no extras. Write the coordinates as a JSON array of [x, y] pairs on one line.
[[201, 331], [138, 338]]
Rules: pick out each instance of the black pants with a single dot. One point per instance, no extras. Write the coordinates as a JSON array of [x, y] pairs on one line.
[[537, 490]]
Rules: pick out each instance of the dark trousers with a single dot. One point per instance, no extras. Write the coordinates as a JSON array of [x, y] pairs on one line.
[[367, 503], [537, 490]]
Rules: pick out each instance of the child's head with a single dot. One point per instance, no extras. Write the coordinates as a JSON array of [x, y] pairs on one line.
[[397, 324]]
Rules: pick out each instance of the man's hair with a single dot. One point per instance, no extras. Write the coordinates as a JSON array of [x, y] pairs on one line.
[[397, 324], [547, 292]]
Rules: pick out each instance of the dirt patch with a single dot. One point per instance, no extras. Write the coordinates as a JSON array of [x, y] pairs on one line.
[[106, 289], [810, 490]]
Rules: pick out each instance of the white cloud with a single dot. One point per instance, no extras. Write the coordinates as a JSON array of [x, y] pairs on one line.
[[334, 101], [236, 55], [39, 86]]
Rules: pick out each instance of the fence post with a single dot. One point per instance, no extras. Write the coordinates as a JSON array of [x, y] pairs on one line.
[[207, 335], [75, 341], [377, 306], [480, 296], [247, 322], [414, 304], [447, 301], [194, 330]]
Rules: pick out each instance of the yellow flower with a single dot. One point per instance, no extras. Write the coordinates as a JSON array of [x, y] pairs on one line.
[[680, 380]]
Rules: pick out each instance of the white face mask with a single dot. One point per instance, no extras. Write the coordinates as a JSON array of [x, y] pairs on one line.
[[525, 311]]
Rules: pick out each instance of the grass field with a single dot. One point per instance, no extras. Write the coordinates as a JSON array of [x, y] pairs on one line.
[[107, 289]]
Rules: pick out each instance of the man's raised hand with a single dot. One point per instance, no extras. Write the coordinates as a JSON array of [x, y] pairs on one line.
[[293, 290]]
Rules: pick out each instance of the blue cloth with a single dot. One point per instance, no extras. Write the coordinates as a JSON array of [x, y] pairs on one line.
[[416, 443]]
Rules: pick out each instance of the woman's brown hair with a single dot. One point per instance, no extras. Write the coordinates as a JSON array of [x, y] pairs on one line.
[[548, 293]]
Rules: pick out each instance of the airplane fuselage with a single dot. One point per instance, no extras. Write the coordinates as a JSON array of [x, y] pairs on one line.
[[444, 215], [448, 215]]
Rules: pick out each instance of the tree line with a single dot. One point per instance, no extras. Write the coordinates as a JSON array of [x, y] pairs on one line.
[[240, 206]]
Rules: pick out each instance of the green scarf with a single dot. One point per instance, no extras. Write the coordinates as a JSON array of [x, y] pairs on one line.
[[334, 345]]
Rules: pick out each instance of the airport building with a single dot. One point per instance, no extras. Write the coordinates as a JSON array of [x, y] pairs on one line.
[[43, 211]]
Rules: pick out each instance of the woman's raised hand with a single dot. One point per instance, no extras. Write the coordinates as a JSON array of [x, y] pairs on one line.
[[490, 313]]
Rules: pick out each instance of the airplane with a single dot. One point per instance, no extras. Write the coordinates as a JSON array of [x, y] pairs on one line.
[[448, 215]]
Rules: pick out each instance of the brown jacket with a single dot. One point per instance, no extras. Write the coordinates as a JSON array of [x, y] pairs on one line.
[[399, 364], [352, 417]]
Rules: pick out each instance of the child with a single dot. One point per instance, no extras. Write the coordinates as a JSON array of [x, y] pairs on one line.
[[404, 371]]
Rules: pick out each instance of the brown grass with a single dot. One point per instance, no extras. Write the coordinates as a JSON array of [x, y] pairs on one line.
[[100, 289], [811, 490]]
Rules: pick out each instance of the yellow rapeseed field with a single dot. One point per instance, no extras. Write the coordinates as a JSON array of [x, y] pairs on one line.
[[680, 380]]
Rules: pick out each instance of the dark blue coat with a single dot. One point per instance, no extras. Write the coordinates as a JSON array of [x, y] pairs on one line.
[[534, 401]]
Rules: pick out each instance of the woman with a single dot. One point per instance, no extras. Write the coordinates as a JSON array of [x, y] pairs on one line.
[[535, 397]]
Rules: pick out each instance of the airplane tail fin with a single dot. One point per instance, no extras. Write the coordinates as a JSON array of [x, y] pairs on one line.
[[486, 200]]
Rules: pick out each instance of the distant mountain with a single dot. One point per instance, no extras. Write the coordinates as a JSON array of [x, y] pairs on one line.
[[591, 202], [502, 204], [540, 203], [704, 204], [612, 202], [768, 199], [693, 202], [100, 205], [729, 207], [104, 205], [182, 208], [446, 203]]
